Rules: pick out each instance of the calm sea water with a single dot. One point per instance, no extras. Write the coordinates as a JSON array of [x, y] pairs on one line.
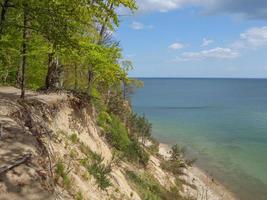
[[222, 122]]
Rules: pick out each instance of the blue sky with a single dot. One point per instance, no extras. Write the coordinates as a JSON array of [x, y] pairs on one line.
[[196, 38]]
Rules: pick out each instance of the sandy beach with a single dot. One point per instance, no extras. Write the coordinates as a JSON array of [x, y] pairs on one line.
[[207, 188]]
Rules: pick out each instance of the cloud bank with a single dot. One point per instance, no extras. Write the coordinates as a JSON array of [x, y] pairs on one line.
[[253, 9], [218, 53]]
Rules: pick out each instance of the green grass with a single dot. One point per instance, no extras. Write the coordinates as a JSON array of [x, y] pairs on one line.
[[74, 138], [100, 172], [150, 189], [95, 167], [61, 172], [117, 134], [79, 196]]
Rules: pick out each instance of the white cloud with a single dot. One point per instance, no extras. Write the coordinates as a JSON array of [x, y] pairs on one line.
[[219, 53], [255, 9], [176, 46], [253, 38], [206, 42], [137, 26]]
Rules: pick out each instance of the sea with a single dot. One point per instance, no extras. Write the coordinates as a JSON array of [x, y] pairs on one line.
[[220, 122]]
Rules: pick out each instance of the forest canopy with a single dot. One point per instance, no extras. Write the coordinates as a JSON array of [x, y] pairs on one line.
[[62, 44]]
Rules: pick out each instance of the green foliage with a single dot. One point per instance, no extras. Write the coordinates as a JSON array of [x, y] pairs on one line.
[[140, 126], [89, 153], [95, 167], [177, 162], [154, 147], [74, 138], [79, 196], [136, 153], [100, 173], [117, 134], [150, 189], [104, 119], [174, 166], [61, 172], [73, 32], [177, 152]]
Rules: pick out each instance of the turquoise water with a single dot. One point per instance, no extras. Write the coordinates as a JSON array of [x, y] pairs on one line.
[[222, 123]]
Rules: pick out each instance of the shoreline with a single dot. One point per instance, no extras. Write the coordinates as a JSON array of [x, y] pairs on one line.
[[207, 187]]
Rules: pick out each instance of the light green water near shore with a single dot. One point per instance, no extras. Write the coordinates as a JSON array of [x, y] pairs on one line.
[[222, 122]]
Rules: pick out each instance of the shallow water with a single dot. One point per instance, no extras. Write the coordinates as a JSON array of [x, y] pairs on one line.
[[222, 122]]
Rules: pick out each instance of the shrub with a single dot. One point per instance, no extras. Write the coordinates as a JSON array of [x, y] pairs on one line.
[[79, 196], [89, 153], [139, 126], [61, 172], [177, 152], [117, 134], [103, 119], [100, 173], [174, 166], [136, 153], [150, 189]]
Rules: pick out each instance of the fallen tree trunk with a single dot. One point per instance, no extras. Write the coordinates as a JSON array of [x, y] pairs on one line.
[[15, 163]]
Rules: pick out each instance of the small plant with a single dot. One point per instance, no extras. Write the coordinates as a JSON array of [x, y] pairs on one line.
[[61, 172], [73, 153], [89, 153], [100, 173], [149, 188], [177, 152], [103, 119], [136, 153], [79, 196], [74, 138]]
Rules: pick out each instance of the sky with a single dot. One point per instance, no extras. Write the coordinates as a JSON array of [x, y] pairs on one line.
[[196, 38]]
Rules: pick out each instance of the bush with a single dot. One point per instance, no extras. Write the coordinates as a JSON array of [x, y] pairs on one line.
[[139, 126], [103, 119], [136, 153], [117, 134], [61, 172], [174, 166], [150, 189], [100, 173]]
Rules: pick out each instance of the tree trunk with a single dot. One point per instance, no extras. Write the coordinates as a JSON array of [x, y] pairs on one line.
[[75, 78], [90, 80], [24, 50], [103, 28], [4, 5], [53, 73]]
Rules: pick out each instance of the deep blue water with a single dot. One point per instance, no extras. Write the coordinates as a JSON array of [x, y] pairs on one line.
[[221, 122]]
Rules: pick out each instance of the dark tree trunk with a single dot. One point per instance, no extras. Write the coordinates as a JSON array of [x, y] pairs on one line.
[[75, 77], [103, 27], [90, 79], [4, 5], [24, 50], [53, 73]]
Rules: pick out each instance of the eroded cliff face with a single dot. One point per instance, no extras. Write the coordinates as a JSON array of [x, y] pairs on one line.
[[69, 159]]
